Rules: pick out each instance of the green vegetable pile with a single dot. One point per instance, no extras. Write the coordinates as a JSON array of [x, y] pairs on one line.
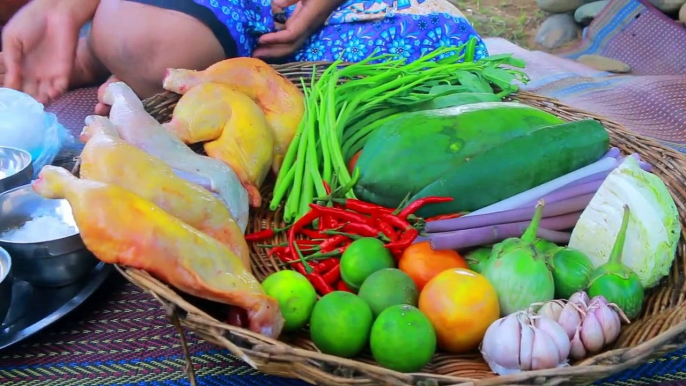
[[347, 102]]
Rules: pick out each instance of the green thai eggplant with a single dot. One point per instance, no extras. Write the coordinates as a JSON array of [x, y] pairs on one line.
[[477, 258], [518, 271], [572, 271], [615, 281]]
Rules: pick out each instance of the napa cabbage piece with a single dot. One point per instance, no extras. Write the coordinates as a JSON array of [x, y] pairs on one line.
[[653, 230]]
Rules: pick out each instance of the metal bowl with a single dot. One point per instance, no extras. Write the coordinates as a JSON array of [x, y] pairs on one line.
[[38, 258], [15, 168], [5, 284]]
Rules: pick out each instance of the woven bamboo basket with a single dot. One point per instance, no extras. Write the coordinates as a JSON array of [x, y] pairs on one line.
[[660, 329]]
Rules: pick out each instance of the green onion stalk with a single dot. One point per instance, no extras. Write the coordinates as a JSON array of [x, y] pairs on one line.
[[347, 102]]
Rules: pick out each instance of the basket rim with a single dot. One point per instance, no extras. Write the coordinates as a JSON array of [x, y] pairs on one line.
[[604, 364]]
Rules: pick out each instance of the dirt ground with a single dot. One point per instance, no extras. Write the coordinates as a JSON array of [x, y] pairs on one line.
[[514, 20]]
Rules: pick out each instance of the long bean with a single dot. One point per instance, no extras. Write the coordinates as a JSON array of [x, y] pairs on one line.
[[347, 103]]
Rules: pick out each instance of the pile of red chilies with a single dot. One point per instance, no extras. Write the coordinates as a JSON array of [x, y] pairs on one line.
[[317, 255]]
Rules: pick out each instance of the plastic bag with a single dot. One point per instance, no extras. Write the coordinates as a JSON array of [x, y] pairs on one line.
[[25, 124]]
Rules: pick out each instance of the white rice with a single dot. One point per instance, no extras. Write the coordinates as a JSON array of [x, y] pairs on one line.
[[43, 228]]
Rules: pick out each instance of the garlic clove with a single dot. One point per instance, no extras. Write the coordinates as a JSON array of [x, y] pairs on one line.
[[557, 334], [500, 345], [581, 299], [569, 319], [551, 309], [599, 299], [592, 333], [577, 350], [526, 346], [609, 322], [544, 355]]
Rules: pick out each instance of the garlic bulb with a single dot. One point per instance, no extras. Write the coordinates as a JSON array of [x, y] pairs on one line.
[[599, 326], [590, 324], [522, 341]]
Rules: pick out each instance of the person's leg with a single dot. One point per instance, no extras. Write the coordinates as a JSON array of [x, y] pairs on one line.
[[147, 41]]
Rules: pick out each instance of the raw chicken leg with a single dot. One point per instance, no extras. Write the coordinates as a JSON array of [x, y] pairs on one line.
[[282, 102], [138, 128], [233, 128], [120, 227], [147, 176]]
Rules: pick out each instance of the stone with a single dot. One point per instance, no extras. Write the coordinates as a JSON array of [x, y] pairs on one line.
[[682, 14], [559, 6], [602, 63], [557, 30], [587, 12], [668, 6]]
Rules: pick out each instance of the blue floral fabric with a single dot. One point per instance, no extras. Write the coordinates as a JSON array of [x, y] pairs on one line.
[[355, 30], [246, 20], [409, 36]]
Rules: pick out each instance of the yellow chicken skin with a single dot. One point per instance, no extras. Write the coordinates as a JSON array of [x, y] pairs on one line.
[[233, 129], [147, 176], [119, 227], [281, 101]]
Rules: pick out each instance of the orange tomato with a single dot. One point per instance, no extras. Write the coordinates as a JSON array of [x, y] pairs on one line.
[[422, 263], [460, 304], [353, 162]]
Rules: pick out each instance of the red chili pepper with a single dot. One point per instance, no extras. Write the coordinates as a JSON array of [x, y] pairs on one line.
[[387, 229], [327, 188], [405, 240], [340, 214], [279, 250], [341, 286], [319, 284], [332, 242], [364, 230], [264, 234], [316, 266], [442, 217], [396, 221], [300, 267], [415, 205], [301, 243], [325, 221], [302, 222], [313, 234], [362, 206], [319, 255], [333, 275], [327, 264]]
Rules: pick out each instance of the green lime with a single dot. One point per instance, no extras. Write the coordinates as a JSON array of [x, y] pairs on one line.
[[340, 324], [295, 295], [388, 287], [402, 339], [362, 258]]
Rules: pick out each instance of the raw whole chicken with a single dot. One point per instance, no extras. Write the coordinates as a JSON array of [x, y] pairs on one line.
[[138, 128], [147, 176], [119, 227], [233, 128], [282, 102]]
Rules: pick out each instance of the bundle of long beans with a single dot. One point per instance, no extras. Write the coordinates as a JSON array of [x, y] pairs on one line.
[[346, 103]]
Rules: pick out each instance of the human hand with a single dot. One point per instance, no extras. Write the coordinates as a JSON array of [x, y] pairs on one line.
[[39, 45], [307, 17]]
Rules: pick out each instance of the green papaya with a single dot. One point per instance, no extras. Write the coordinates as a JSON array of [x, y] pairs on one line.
[[518, 165], [412, 150], [354, 139]]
